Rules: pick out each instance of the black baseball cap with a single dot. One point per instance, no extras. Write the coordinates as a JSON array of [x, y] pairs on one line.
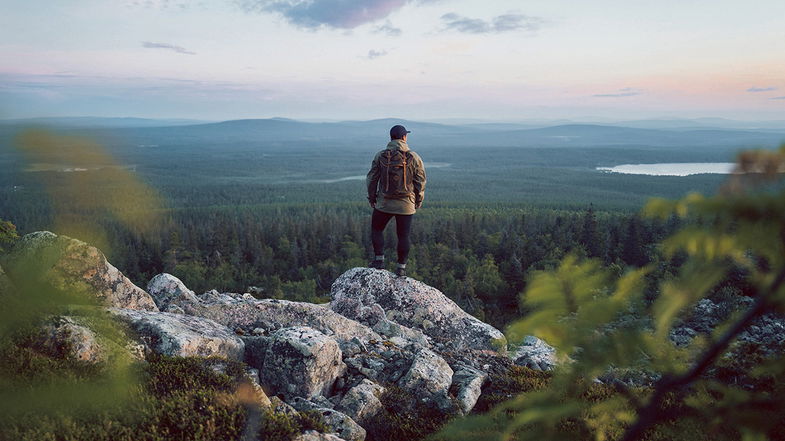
[[398, 131]]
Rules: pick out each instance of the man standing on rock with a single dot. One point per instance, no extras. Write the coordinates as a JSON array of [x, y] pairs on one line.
[[396, 188]]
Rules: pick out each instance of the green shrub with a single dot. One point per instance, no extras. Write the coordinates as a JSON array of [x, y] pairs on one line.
[[403, 417], [283, 427], [518, 379], [175, 399]]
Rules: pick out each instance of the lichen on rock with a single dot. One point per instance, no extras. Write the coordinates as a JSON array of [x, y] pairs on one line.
[[301, 362], [181, 335], [72, 268], [361, 292]]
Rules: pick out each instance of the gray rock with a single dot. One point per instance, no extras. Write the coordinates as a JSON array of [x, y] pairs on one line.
[[235, 311], [362, 401], [768, 333], [342, 425], [256, 350], [65, 337], [534, 353], [164, 288], [312, 435], [182, 335], [72, 267], [682, 336], [467, 386], [301, 362], [280, 406], [361, 293], [317, 402], [429, 378]]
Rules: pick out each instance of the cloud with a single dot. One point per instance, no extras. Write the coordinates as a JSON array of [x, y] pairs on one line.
[[376, 54], [388, 29], [178, 49], [340, 14], [761, 89], [777, 98], [501, 23], [627, 91], [159, 4]]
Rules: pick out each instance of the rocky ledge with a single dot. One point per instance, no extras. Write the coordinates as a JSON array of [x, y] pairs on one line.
[[378, 332]]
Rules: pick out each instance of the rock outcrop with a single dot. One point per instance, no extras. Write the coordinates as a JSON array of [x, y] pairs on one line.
[[429, 377], [534, 353], [370, 296], [767, 333], [72, 268], [64, 336], [301, 362], [182, 335], [467, 387], [335, 359], [248, 314], [166, 288], [361, 402]]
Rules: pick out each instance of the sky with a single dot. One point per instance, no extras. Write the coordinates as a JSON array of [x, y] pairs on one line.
[[415, 59]]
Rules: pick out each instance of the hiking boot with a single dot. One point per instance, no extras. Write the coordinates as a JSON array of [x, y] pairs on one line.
[[400, 272], [377, 264]]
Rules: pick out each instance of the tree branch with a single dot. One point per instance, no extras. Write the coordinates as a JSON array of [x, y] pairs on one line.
[[652, 413]]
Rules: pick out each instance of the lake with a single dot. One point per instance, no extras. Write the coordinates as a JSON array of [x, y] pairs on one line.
[[672, 169]]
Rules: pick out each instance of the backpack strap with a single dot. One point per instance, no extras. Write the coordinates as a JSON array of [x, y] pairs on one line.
[[404, 155], [387, 166]]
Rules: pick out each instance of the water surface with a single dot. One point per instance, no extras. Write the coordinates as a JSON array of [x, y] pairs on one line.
[[672, 169]]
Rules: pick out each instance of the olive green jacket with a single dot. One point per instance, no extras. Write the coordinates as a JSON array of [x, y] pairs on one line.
[[408, 205]]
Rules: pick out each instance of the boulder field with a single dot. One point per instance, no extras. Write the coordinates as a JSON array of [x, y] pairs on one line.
[[378, 331]]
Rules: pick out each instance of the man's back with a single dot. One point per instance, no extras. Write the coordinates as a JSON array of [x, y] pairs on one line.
[[415, 176]]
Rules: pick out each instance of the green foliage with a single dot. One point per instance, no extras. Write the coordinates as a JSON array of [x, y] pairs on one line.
[[709, 390], [403, 416], [7, 234], [168, 375], [284, 427], [177, 399], [502, 387]]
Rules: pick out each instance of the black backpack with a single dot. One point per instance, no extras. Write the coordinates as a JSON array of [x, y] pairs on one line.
[[396, 174]]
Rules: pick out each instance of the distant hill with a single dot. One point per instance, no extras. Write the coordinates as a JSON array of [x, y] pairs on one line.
[[253, 133], [99, 122]]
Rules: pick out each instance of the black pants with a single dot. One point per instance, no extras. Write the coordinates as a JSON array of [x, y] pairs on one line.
[[403, 225]]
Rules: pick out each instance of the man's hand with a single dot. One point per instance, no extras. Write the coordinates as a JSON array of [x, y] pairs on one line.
[[373, 204], [417, 205]]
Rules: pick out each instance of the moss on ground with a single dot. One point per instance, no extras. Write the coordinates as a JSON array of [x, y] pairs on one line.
[[403, 417], [168, 398], [283, 427]]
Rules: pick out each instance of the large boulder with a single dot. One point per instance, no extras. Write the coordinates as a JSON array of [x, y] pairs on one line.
[[467, 386], [251, 315], [429, 378], [65, 337], [182, 335], [301, 362], [361, 293], [71, 267], [165, 288], [361, 402], [534, 353], [337, 422], [342, 425]]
